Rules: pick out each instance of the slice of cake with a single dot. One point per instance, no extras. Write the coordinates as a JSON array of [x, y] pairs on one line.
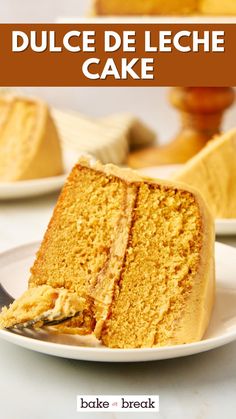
[[108, 139], [29, 143], [148, 7], [139, 251], [213, 172]]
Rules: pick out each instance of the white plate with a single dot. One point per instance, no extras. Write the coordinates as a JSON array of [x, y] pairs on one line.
[[34, 187], [223, 226], [14, 267]]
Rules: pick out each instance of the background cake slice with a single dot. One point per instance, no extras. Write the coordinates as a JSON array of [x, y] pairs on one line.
[[160, 7], [218, 7], [148, 7], [108, 139], [138, 251], [29, 143], [213, 172]]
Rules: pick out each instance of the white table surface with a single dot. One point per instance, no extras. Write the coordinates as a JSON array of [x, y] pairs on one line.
[[43, 387]]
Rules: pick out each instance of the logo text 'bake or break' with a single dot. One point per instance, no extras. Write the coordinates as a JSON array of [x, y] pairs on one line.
[[125, 403]]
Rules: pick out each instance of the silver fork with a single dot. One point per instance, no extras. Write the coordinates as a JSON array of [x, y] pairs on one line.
[[6, 299]]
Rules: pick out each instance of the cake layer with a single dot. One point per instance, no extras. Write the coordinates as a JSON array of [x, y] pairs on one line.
[[84, 245], [213, 172], [162, 293], [29, 143]]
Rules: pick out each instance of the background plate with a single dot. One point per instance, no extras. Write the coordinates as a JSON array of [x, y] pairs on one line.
[[14, 272], [28, 188]]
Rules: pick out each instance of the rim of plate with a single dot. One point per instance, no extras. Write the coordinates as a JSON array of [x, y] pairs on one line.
[[66, 350], [201, 343], [30, 182], [225, 220]]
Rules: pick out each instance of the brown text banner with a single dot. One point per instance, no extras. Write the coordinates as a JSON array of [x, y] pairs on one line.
[[117, 54]]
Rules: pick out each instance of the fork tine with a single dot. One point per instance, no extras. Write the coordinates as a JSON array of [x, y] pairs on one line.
[[5, 298], [41, 319]]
